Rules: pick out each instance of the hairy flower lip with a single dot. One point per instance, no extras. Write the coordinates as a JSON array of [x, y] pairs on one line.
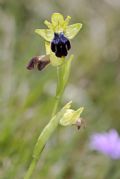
[[60, 45]]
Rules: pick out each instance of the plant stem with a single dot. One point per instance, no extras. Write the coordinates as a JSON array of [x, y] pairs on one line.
[[62, 74], [31, 169], [56, 104], [43, 138], [58, 93]]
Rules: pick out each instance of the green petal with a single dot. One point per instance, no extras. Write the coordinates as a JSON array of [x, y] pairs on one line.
[[48, 24], [57, 19], [72, 30], [45, 33], [67, 20]]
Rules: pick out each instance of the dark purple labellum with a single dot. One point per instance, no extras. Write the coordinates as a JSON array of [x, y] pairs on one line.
[[60, 45]]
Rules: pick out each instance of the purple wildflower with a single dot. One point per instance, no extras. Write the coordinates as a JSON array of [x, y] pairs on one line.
[[107, 143]]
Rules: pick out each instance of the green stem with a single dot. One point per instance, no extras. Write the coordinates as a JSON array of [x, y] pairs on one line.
[[59, 91], [62, 74], [43, 138], [56, 104], [31, 169]]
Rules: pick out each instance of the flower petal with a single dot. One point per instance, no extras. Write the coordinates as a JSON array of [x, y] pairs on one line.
[[72, 30], [67, 20], [47, 34], [48, 24]]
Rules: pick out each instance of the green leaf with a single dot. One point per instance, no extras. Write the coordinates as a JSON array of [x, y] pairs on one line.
[[48, 130], [72, 30], [47, 34]]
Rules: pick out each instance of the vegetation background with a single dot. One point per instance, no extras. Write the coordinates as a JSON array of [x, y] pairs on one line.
[[26, 97]]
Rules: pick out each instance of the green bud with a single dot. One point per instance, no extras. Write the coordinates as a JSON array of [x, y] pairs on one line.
[[71, 117]]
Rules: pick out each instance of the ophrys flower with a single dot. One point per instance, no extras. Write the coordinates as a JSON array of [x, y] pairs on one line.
[[57, 37]]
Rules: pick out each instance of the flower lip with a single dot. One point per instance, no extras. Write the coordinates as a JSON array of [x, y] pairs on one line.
[[60, 45]]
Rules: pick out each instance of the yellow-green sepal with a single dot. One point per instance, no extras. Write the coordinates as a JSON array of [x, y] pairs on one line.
[[58, 21], [72, 30], [47, 34]]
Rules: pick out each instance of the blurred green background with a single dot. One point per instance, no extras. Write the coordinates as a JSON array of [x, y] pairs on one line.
[[26, 97]]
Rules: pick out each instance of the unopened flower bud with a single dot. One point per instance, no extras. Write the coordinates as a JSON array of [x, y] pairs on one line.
[[71, 117], [32, 63], [39, 62]]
